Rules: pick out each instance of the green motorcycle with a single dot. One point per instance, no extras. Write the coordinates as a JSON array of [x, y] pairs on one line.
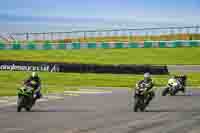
[[25, 98]]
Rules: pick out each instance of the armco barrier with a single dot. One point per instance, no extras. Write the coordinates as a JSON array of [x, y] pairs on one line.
[[81, 68], [147, 44], [115, 69]]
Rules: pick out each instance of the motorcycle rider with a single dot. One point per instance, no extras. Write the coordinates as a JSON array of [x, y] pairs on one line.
[[35, 82], [178, 82], [148, 82], [182, 80], [173, 81]]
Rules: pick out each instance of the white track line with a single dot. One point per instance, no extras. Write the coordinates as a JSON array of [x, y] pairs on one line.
[[3, 101], [86, 92], [8, 104], [45, 99], [13, 129]]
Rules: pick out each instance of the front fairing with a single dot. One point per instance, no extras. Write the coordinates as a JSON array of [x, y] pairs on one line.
[[25, 91]]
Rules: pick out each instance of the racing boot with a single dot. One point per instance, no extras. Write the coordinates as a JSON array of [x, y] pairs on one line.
[[38, 96]]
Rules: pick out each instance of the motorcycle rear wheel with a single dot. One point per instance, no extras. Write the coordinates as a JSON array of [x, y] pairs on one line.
[[165, 91], [136, 105], [19, 109], [28, 109]]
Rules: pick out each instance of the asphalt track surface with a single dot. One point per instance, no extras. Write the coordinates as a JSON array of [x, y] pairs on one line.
[[183, 68], [105, 113]]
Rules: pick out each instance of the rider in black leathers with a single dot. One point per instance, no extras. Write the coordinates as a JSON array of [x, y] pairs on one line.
[[182, 79], [148, 82]]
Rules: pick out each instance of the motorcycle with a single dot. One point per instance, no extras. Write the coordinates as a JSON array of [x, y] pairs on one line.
[[140, 96], [173, 88], [25, 98], [170, 90]]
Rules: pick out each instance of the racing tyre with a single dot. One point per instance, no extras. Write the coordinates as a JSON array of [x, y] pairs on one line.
[[28, 109], [19, 109], [136, 105], [174, 92], [142, 109], [139, 105], [19, 104], [165, 91]]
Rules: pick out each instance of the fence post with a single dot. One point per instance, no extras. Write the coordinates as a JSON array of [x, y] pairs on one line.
[[84, 36], [27, 36]]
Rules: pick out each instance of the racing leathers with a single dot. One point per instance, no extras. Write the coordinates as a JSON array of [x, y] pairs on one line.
[[35, 83], [148, 85], [182, 80]]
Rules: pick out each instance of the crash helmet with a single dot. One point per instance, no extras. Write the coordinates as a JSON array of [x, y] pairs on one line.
[[34, 75], [147, 76]]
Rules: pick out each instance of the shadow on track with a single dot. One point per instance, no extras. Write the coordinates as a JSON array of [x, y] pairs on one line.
[[184, 95], [62, 110], [174, 110], [36, 110]]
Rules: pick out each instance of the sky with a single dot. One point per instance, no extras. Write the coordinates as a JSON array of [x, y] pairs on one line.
[[67, 15]]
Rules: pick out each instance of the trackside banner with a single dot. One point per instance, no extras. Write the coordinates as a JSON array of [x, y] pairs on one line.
[[28, 66], [80, 68]]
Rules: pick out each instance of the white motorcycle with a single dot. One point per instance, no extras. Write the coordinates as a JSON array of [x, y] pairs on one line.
[[172, 87]]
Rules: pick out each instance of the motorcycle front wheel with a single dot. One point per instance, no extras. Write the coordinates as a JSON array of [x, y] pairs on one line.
[[165, 91], [138, 105], [20, 103]]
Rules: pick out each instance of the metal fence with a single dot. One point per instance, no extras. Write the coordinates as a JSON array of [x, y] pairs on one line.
[[99, 33]]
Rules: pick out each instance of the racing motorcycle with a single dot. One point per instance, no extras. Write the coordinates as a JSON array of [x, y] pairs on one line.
[[140, 96], [173, 88], [25, 98]]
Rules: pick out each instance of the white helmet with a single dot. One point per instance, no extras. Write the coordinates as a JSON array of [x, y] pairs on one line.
[[172, 81], [147, 75]]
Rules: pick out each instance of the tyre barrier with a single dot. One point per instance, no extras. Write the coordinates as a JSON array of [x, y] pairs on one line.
[[118, 45], [81, 68]]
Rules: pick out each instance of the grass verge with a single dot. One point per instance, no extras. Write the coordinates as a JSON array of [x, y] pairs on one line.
[[108, 56]]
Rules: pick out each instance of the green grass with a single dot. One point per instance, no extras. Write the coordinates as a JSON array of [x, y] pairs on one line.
[[109, 56], [58, 82]]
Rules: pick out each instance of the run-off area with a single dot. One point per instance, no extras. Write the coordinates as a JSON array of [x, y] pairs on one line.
[[105, 113]]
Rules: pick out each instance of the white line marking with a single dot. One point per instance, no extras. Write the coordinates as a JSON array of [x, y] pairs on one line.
[[8, 104], [53, 97], [69, 94], [39, 100], [14, 129], [3, 101], [85, 92], [42, 100], [94, 90]]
